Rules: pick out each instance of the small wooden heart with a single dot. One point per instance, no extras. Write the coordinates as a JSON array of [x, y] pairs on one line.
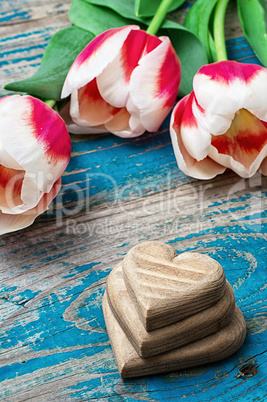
[[196, 326], [167, 287], [212, 348]]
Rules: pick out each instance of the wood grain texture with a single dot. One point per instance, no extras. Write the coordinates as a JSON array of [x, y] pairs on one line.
[[25, 30], [166, 287], [117, 193], [206, 350], [172, 336]]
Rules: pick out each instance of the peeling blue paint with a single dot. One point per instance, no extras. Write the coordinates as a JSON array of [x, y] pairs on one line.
[[15, 15]]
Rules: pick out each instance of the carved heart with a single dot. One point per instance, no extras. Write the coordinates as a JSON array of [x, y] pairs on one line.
[[180, 333], [207, 350], [167, 287]]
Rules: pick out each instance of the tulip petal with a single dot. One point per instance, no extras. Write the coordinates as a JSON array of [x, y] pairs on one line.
[[195, 137], [10, 223], [113, 82], [136, 126], [224, 87], [30, 195], [42, 147], [90, 63], [77, 129], [154, 84], [119, 125], [243, 147], [6, 160], [203, 169], [10, 187], [93, 110]]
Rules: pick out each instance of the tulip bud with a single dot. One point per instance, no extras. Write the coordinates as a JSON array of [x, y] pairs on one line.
[[35, 150], [125, 82], [223, 122]]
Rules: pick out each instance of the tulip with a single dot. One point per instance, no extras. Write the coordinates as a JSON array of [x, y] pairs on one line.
[[223, 122], [125, 81], [35, 150]]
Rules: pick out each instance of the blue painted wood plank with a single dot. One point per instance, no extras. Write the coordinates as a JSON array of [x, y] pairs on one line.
[[61, 341]]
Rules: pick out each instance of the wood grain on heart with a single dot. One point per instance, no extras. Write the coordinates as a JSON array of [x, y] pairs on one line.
[[167, 287], [198, 325]]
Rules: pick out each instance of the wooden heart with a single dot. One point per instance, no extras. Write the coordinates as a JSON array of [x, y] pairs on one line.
[[167, 287], [212, 348], [190, 329]]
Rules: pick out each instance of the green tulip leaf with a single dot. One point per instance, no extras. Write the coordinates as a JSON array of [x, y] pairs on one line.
[[58, 57], [94, 18], [148, 8], [253, 19], [197, 21], [124, 8]]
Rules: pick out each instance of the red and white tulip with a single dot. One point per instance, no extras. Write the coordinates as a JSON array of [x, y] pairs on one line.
[[35, 150], [125, 82], [223, 122]]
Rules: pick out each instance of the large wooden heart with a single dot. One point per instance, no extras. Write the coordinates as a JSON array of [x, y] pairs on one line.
[[167, 287], [190, 329]]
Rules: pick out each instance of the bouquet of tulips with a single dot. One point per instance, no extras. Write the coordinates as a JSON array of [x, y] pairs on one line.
[[120, 69]]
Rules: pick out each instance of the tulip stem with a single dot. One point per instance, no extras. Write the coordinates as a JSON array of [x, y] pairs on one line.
[[50, 102], [159, 17], [218, 29]]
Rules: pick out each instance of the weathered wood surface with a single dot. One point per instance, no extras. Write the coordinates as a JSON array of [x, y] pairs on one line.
[[116, 193]]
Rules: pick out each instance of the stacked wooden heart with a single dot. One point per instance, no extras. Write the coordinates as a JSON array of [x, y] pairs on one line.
[[165, 311]]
